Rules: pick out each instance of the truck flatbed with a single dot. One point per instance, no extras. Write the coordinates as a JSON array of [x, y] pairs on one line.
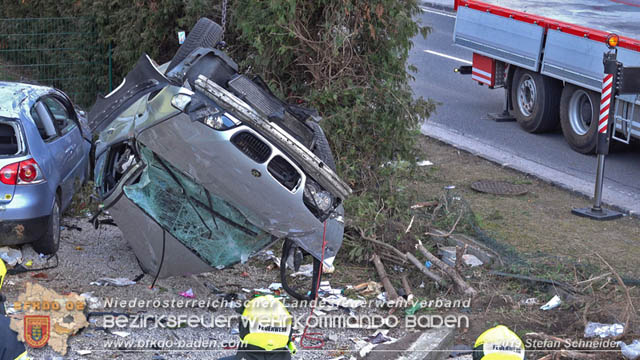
[[612, 16]]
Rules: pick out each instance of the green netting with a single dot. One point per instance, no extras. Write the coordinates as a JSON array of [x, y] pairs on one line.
[[210, 227], [59, 52]]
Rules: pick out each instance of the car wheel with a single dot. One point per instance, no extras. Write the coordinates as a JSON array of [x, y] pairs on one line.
[[579, 111], [535, 101], [321, 145], [50, 242], [205, 33]]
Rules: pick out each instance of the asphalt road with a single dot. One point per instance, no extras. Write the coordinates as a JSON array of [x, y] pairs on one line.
[[463, 110]]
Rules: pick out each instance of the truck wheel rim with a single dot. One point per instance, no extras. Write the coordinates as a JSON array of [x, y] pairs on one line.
[[580, 112], [527, 95]]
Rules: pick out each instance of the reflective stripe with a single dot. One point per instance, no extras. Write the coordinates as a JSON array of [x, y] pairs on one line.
[[481, 72]]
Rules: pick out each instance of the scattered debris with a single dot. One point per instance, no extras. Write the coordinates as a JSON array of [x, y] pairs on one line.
[[305, 270], [424, 163], [471, 260], [392, 295], [91, 301], [529, 301], [424, 204], [188, 294], [552, 304], [11, 256], [594, 329], [121, 333], [450, 271], [40, 275], [631, 351], [113, 281], [83, 352], [28, 263], [368, 288]]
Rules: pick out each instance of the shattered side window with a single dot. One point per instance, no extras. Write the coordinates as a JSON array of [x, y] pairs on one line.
[[210, 227]]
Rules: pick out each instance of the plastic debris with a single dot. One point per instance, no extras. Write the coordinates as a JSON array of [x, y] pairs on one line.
[[113, 281], [305, 270], [424, 163], [552, 304], [368, 288], [275, 286], [91, 301], [121, 333], [631, 351], [11, 256], [529, 301], [471, 260], [28, 263], [188, 294], [448, 255], [428, 264], [594, 329], [234, 331], [83, 352], [412, 310], [379, 338]]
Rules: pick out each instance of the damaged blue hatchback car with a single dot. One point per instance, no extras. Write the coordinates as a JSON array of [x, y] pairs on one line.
[[44, 157], [202, 167]]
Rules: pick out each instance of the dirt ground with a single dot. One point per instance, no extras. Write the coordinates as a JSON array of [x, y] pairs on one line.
[[538, 227]]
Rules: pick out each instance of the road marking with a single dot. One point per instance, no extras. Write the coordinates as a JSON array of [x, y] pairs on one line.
[[437, 12], [448, 56]]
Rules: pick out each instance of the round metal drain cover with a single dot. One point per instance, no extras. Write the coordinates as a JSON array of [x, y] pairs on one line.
[[499, 187]]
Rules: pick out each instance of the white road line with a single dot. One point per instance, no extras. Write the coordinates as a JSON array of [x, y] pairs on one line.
[[437, 12], [448, 56]]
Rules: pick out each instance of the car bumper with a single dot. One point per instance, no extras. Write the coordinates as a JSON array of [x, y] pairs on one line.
[[15, 232]]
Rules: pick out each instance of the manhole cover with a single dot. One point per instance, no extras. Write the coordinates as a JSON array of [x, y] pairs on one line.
[[499, 187]]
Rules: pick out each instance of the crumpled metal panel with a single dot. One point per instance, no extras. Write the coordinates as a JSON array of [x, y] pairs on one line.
[[207, 225]]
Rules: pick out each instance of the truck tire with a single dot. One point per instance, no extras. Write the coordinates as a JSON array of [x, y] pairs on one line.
[[205, 33], [50, 242], [536, 100], [579, 111]]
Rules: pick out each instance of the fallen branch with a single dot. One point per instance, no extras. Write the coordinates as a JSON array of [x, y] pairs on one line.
[[460, 251], [630, 308], [369, 238], [392, 295], [451, 272], [407, 287], [410, 224], [426, 271], [559, 284], [453, 228]]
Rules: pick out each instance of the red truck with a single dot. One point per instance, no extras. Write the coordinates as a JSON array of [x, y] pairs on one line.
[[548, 56]]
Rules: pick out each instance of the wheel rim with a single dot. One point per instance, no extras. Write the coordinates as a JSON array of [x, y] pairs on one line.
[[55, 223], [527, 95], [580, 112]]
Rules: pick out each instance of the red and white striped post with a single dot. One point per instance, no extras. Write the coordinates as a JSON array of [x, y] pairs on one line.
[[607, 105]]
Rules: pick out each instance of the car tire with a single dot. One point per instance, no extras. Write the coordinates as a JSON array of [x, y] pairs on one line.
[[536, 100], [321, 145], [50, 242], [579, 114], [205, 33]]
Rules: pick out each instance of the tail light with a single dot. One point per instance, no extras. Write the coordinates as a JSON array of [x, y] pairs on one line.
[[22, 173]]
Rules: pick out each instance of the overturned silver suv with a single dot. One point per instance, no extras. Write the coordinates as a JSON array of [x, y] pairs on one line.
[[202, 167]]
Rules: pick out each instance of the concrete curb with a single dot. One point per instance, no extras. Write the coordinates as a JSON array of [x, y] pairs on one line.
[[432, 344], [611, 197]]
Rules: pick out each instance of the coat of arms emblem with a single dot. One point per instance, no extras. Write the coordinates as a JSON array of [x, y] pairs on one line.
[[36, 330]]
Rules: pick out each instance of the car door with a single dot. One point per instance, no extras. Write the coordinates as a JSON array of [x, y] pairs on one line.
[[71, 142]]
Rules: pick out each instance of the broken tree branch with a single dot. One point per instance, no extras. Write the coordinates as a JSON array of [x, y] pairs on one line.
[[407, 287], [453, 228], [451, 272], [378, 242], [630, 308], [433, 276], [392, 295]]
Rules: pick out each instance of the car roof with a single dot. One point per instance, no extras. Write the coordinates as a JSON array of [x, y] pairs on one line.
[[12, 96]]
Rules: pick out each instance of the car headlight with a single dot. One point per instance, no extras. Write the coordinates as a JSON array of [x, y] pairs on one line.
[[317, 199]]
